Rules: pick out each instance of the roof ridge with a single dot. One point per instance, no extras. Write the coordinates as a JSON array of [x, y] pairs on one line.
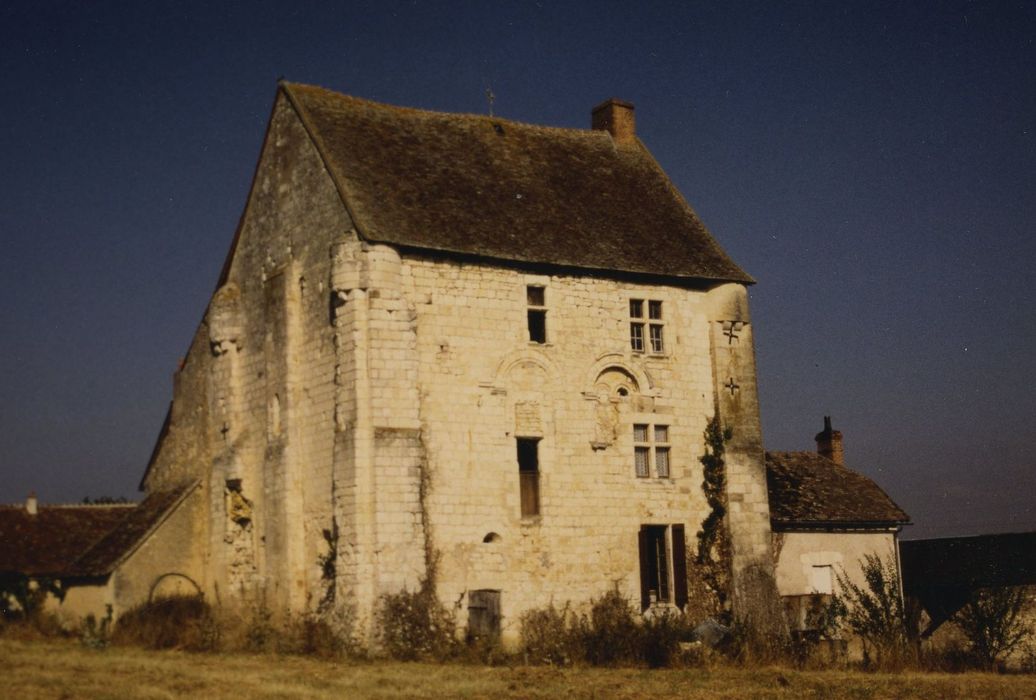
[[434, 113]]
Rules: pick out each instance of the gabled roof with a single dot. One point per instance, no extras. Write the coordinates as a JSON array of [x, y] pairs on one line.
[[493, 188], [810, 491], [81, 540]]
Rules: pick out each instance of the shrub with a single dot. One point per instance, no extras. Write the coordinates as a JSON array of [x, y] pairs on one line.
[[546, 636], [875, 613], [611, 635], [176, 622], [661, 635], [992, 623], [415, 625]]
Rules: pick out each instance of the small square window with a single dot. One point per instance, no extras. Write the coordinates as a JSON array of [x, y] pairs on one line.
[[636, 308], [655, 310], [661, 433], [640, 433], [535, 296]]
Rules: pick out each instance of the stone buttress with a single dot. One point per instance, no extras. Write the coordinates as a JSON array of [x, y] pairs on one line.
[[379, 459]]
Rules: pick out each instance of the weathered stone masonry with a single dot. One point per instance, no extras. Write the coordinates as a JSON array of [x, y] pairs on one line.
[[380, 391]]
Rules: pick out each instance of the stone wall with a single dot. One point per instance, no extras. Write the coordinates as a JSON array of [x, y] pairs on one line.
[[348, 404], [483, 384]]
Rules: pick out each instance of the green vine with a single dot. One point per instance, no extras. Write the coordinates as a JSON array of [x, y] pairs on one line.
[[709, 577], [715, 488]]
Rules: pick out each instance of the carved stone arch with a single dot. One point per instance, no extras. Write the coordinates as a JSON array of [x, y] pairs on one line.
[[515, 361], [616, 362]]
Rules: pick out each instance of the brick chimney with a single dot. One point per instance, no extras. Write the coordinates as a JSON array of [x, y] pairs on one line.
[[829, 443], [31, 506], [616, 117]]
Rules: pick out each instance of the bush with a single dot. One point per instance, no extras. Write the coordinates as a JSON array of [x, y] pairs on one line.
[[875, 613], [661, 635], [416, 626], [993, 624], [546, 637], [177, 622], [612, 633]]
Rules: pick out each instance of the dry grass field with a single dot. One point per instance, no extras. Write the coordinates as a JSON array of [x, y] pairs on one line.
[[65, 669]]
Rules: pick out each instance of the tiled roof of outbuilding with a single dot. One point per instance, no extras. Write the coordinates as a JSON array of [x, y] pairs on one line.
[[484, 186], [808, 490], [80, 540], [49, 541]]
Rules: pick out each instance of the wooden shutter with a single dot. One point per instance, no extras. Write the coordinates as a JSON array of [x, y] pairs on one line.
[[483, 614], [679, 566], [645, 568]]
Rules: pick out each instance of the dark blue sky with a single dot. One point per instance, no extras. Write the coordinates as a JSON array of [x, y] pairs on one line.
[[873, 165]]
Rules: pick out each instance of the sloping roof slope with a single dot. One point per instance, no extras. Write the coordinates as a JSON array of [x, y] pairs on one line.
[[88, 540], [484, 186], [48, 542], [103, 556], [808, 490]]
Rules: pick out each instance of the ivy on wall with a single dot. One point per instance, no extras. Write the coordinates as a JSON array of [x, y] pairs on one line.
[[709, 575]]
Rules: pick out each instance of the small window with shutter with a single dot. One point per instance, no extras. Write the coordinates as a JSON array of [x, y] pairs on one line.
[[529, 476], [663, 565]]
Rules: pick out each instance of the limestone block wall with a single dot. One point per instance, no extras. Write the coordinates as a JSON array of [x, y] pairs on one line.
[[483, 384], [755, 600], [271, 488]]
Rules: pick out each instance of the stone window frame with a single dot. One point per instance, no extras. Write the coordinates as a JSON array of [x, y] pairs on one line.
[[668, 565], [536, 311], [650, 443], [647, 325]]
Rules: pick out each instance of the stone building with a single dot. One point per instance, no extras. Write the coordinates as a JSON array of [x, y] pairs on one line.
[[462, 348], [826, 520]]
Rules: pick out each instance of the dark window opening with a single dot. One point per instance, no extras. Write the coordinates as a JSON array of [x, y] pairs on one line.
[[663, 565], [529, 475], [537, 326], [536, 298]]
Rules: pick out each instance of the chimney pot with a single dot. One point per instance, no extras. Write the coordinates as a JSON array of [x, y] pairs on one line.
[[616, 117], [31, 505], [829, 443]]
